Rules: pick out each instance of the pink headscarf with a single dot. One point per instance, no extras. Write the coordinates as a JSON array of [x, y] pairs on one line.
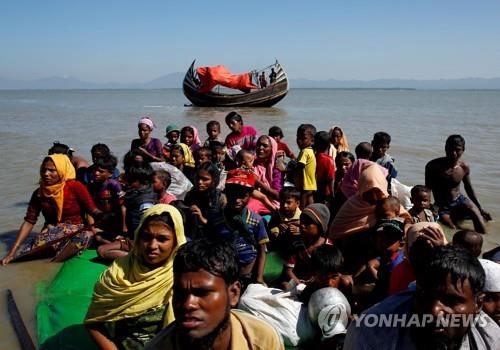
[[265, 170], [349, 185], [147, 121], [195, 146]]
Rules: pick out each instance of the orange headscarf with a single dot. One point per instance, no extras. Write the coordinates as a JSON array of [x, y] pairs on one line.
[[66, 171], [356, 214]]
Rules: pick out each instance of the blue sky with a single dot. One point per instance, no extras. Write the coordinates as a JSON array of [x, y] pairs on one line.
[[136, 41]]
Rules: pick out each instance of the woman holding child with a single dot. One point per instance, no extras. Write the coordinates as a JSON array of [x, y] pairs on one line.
[[151, 148], [62, 201], [132, 300]]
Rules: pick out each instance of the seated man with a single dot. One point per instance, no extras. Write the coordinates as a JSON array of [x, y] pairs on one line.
[[443, 313], [444, 176], [206, 287]]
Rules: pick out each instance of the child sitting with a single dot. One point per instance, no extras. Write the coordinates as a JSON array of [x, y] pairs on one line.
[[108, 197], [203, 155], [285, 222], [243, 227], [305, 177], [325, 169], [161, 181], [245, 160], [283, 150], [380, 144], [182, 158], [213, 131], [99, 150], [172, 133], [388, 210], [313, 229], [469, 240], [218, 158], [421, 199], [189, 136]]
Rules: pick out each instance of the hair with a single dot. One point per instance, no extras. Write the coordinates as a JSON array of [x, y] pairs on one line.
[[101, 148], [129, 160], [241, 153], [462, 239], [455, 140], [327, 259], [343, 154], [417, 189], [212, 170], [213, 123], [165, 218], [108, 162], [321, 141], [217, 257], [184, 130], [177, 148], [363, 150], [392, 201], [307, 129], [456, 262], [233, 116], [275, 131], [204, 149], [289, 192], [139, 173], [60, 148], [381, 137], [163, 175]]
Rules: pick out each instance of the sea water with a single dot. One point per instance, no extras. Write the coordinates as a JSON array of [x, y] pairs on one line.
[[418, 121]]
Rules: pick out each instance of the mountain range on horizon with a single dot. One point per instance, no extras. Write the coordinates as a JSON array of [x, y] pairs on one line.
[[174, 80]]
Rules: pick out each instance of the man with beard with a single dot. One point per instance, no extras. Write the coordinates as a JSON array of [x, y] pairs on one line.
[[443, 313], [206, 287]]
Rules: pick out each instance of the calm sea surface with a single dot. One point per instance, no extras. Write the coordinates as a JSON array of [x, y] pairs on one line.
[[418, 121]]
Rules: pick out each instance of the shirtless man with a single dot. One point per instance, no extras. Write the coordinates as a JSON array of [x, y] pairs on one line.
[[443, 176]]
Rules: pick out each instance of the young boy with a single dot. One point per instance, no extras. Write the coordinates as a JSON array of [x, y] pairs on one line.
[[283, 150], [243, 227], [380, 144], [469, 240], [99, 150], [202, 155], [363, 150], [172, 133], [444, 176], [325, 168], [161, 181], [313, 228], [421, 199], [213, 131], [108, 196], [305, 177], [286, 221]]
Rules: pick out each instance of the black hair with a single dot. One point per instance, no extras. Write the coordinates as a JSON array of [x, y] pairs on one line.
[[212, 170], [101, 148], [60, 148], [456, 262], [326, 259], [178, 148], [163, 175], [213, 123], [460, 238], [129, 160], [217, 257], [307, 129], [215, 145], [108, 162], [363, 150], [241, 153], [275, 131], [417, 189], [321, 141], [455, 140], [139, 173], [289, 192], [343, 154], [165, 217], [381, 137], [204, 149], [233, 116], [183, 132]]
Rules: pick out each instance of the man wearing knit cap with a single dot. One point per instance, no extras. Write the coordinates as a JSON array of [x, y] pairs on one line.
[[313, 228]]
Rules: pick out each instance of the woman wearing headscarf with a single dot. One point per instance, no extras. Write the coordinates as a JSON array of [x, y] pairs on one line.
[[150, 147], [269, 179], [61, 200], [190, 137], [132, 300], [338, 141]]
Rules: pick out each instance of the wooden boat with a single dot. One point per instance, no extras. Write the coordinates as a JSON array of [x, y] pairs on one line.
[[260, 97]]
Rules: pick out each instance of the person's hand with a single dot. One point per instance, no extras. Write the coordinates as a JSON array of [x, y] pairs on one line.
[[294, 229], [7, 259], [485, 215], [433, 236], [261, 281], [195, 210]]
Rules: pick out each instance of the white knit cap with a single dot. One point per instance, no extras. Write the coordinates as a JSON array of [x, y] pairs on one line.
[[492, 272]]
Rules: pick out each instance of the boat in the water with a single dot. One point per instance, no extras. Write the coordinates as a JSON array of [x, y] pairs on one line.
[[202, 86]]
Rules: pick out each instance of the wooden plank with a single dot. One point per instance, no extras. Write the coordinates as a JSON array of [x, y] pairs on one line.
[[22, 333]]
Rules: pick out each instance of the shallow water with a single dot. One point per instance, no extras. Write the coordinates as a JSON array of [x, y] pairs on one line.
[[418, 121]]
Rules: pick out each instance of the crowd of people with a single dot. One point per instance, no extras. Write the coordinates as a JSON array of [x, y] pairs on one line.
[[188, 226]]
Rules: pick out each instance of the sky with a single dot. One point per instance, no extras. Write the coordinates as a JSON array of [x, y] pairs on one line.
[[137, 41]]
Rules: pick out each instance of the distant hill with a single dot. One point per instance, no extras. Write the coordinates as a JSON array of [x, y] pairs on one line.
[[174, 80]]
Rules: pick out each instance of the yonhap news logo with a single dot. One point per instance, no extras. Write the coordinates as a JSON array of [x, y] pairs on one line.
[[415, 320]]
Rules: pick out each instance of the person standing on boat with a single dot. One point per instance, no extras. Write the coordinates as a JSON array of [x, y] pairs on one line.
[[150, 147], [272, 76], [241, 136], [262, 81]]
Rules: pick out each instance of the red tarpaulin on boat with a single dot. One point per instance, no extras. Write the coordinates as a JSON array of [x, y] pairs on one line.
[[220, 75]]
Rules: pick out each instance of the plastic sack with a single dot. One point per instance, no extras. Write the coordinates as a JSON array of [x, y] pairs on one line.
[[401, 192]]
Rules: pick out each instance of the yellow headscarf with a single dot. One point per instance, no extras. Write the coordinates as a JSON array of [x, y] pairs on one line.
[[66, 171], [188, 155], [128, 288]]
